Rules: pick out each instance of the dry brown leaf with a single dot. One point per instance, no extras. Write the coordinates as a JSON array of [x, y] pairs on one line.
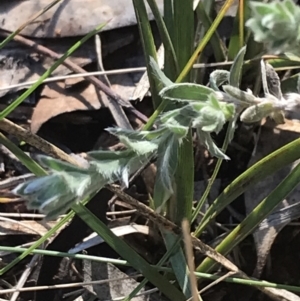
[[54, 102], [68, 18]]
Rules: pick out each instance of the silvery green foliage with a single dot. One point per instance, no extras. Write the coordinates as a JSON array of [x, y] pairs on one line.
[[273, 104], [66, 184], [55, 193], [276, 24]]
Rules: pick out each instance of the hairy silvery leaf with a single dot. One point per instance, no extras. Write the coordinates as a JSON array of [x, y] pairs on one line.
[[217, 78], [257, 112], [236, 68], [141, 148], [113, 166], [292, 102], [163, 81], [207, 141], [212, 118], [167, 158], [192, 110], [54, 194], [180, 131], [276, 24], [186, 92], [137, 141], [244, 98]]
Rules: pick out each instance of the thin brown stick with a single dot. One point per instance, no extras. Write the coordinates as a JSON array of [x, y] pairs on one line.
[[77, 69], [190, 259], [36, 141]]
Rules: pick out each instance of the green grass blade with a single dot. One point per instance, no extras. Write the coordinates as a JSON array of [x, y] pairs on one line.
[[34, 17], [184, 179], [217, 45], [25, 159], [148, 46], [129, 254], [205, 40], [237, 38], [166, 39], [260, 212], [179, 265], [257, 172], [183, 32], [169, 21], [22, 97], [184, 176]]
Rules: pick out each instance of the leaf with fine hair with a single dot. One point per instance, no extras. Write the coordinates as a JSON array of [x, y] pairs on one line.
[[54, 194], [276, 24], [212, 118], [236, 68], [136, 141], [206, 139], [244, 98], [217, 78], [158, 75], [257, 112], [186, 92], [113, 166]]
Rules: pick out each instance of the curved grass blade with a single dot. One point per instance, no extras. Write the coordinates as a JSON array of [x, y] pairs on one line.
[[259, 213], [33, 166], [263, 168]]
